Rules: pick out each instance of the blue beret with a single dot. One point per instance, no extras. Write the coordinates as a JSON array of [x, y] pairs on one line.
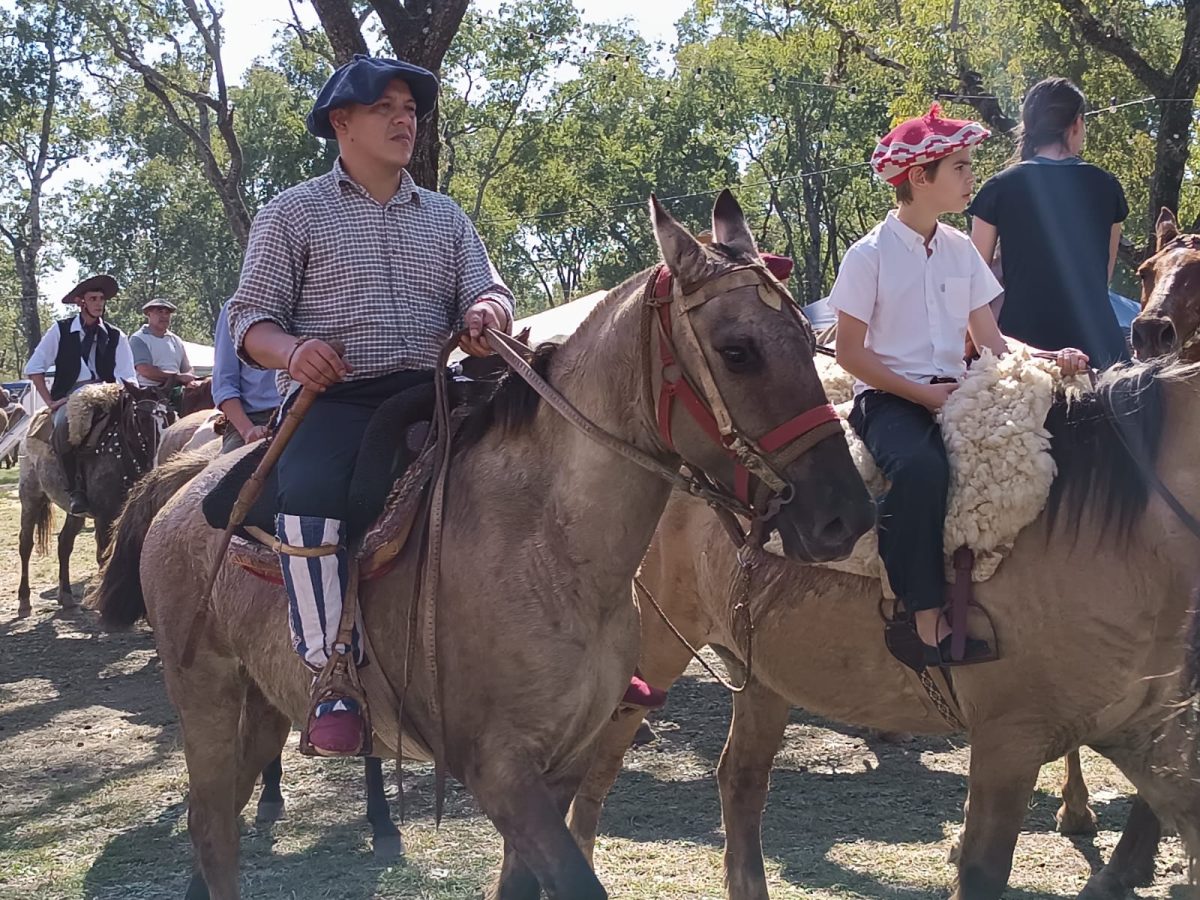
[[363, 80]]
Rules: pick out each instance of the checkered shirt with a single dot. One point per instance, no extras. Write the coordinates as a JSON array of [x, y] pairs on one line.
[[391, 281]]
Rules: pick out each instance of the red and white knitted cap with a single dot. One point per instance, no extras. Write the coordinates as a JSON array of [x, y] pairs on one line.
[[916, 142]]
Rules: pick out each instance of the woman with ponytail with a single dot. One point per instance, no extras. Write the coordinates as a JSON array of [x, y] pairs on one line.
[[1059, 221]]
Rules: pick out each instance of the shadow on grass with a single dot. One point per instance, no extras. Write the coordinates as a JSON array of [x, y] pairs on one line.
[[812, 810]]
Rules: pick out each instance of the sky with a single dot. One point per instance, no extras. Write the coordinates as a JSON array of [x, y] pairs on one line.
[[250, 27]]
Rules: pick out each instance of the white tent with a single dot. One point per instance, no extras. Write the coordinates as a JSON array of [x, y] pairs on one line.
[[201, 358], [559, 321]]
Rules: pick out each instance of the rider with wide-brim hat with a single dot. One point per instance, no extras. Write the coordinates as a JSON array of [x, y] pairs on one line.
[[83, 349]]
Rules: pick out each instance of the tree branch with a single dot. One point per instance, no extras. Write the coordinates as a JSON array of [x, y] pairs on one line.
[[1106, 38]]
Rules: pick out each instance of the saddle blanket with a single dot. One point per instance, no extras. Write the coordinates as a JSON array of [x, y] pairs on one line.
[[999, 450]]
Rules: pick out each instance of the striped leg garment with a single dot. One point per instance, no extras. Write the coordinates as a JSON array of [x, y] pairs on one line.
[[315, 586]]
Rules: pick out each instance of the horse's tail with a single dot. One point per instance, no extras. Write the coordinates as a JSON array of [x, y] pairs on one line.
[[119, 598], [43, 527], [1191, 665]]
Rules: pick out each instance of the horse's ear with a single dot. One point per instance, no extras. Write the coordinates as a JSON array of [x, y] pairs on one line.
[[729, 225], [1166, 229], [680, 251]]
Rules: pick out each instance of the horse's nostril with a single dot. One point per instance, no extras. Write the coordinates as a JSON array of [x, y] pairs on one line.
[[1152, 336]]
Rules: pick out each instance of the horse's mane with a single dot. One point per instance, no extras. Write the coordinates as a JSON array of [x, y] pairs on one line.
[[1095, 469], [512, 404]]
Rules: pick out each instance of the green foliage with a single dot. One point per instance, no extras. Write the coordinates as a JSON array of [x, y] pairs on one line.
[[554, 132]]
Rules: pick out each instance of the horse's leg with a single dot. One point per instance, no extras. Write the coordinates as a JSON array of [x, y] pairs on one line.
[[516, 881], [103, 536], [528, 810], [30, 515], [270, 801], [209, 697], [743, 775], [1003, 773], [1162, 765], [66, 546], [1075, 816], [663, 660], [262, 734], [1132, 862], [385, 836]]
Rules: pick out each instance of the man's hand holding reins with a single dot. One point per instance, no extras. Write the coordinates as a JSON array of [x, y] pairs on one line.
[[483, 314]]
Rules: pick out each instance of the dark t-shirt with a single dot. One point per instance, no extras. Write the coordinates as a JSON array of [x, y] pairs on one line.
[[1054, 219]]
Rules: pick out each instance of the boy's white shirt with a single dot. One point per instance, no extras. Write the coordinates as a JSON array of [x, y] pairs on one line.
[[916, 305]]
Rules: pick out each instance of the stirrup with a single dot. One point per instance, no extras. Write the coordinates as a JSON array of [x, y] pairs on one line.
[[338, 680]]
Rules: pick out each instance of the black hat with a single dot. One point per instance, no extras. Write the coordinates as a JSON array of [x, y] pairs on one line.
[[363, 80], [103, 283]]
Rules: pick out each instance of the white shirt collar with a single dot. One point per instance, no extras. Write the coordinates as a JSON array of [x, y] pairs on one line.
[[77, 323], [912, 240]]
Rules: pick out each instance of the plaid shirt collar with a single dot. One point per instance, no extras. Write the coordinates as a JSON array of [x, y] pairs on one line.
[[406, 193]]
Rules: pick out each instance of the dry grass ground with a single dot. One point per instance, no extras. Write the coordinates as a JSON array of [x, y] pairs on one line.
[[93, 788]]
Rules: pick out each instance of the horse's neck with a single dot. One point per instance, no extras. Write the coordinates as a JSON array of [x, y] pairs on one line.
[[603, 506]]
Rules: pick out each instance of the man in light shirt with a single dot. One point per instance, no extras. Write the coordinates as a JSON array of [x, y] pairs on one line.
[[84, 349], [158, 352]]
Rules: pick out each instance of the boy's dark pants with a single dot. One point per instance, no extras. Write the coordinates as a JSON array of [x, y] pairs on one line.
[[906, 443]]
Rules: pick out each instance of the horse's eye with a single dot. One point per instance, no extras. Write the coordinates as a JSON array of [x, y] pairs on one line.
[[738, 357]]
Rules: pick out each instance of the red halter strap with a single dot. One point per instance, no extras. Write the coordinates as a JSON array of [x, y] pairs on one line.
[[676, 386]]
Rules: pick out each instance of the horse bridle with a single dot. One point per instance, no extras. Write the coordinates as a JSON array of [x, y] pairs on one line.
[[762, 459], [759, 458]]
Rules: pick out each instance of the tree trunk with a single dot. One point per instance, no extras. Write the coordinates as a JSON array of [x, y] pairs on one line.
[[1170, 158], [420, 32], [25, 260]]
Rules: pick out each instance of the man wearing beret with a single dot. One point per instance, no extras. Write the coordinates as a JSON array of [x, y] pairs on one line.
[[364, 256], [84, 349]]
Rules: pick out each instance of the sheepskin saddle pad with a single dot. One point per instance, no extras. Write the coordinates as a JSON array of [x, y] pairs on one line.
[[89, 407], [999, 449]]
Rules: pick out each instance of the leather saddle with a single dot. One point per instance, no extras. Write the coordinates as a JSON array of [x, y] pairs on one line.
[[387, 491]]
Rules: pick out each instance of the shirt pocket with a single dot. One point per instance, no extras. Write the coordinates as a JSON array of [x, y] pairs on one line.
[[956, 297]]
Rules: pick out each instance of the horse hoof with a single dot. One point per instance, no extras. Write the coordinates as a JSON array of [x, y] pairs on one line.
[[645, 735], [388, 848], [1073, 822], [197, 889], [24, 610], [268, 811], [67, 600], [1103, 886]]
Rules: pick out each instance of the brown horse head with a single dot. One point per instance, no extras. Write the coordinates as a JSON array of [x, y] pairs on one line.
[[745, 349], [1170, 294], [196, 396]]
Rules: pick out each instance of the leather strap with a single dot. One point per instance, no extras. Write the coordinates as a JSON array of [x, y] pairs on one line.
[[279, 546], [513, 352]]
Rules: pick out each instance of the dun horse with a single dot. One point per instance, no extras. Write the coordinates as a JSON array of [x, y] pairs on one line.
[[1090, 613], [536, 633]]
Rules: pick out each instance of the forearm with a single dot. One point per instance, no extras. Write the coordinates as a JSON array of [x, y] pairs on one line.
[[38, 380], [867, 367], [236, 414], [269, 345], [152, 372], [985, 332]]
